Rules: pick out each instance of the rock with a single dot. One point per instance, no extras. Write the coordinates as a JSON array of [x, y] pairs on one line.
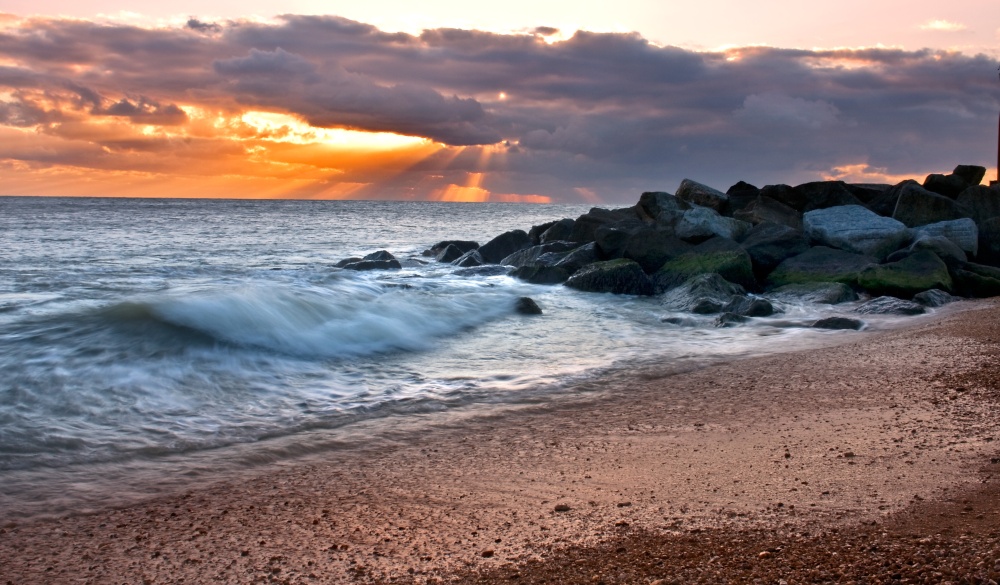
[[890, 306], [719, 255], [560, 230], [703, 294], [469, 259], [740, 196], [463, 245], [867, 192], [702, 195], [619, 276], [826, 293], [585, 226], [977, 280], [917, 206], [652, 248], [839, 323], [944, 248], [768, 244], [374, 265], [504, 245], [786, 195], [823, 194], [963, 232], [346, 261], [855, 229], [820, 264], [530, 256], [701, 223], [765, 209], [971, 174], [741, 188], [380, 256], [488, 553], [611, 241], [885, 203], [982, 202], [989, 242], [748, 306], [527, 306], [484, 271], [536, 231], [730, 320], [541, 274], [449, 254], [562, 508], [916, 273], [578, 258], [662, 207], [948, 185], [934, 298]]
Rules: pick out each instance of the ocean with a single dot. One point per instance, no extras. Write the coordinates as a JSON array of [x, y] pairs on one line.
[[145, 344]]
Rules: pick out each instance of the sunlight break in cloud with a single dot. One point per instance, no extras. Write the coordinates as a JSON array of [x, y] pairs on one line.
[[943, 26]]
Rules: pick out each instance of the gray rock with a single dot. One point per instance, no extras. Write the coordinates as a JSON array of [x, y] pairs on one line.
[[768, 244], [463, 245], [730, 320], [530, 256], [449, 254], [652, 248], [916, 273], [765, 209], [855, 229], [741, 195], [948, 185], [560, 230], [536, 231], [890, 306], [826, 293], [944, 248], [346, 261], [619, 276], [702, 294], [484, 271], [470, 259], [578, 258], [702, 195], [611, 241], [982, 202], [820, 264], [701, 223], [917, 206], [748, 306], [867, 192], [785, 194], [541, 274], [662, 207], [719, 255], [839, 323], [504, 245], [585, 226], [989, 242], [374, 265], [977, 284], [527, 306], [823, 194], [934, 298], [380, 256], [963, 232], [972, 174]]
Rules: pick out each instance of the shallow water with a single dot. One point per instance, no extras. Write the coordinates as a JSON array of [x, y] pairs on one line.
[[173, 337]]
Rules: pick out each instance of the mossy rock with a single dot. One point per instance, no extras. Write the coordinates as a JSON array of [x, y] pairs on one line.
[[916, 273], [620, 276], [820, 264]]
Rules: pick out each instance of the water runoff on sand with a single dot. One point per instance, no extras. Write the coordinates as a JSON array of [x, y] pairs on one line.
[[172, 335]]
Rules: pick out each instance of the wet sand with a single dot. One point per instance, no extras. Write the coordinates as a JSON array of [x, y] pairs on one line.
[[876, 449]]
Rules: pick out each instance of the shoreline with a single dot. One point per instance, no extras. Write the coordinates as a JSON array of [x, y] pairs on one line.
[[823, 438]]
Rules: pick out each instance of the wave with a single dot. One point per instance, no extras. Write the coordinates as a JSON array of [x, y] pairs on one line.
[[348, 319]]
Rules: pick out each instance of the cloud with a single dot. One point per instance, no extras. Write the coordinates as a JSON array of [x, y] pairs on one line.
[[592, 115], [943, 26]]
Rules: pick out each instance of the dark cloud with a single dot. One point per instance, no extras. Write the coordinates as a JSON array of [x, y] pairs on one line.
[[609, 113]]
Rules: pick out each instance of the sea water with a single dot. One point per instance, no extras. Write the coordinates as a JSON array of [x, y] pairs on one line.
[[170, 335]]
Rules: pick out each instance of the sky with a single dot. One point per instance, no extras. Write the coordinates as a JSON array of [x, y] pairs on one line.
[[515, 101]]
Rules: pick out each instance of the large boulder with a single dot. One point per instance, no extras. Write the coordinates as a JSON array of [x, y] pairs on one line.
[[867, 192], [820, 264], [577, 259], [944, 248], [621, 276], [702, 195], [380, 256], [785, 194], [768, 244], [914, 274], [824, 293], [346, 261], [541, 274], [701, 223], [890, 306], [585, 227], [536, 231], [855, 229], [530, 256], [948, 185], [651, 248], [504, 245], [470, 259], [703, 294], [463, 245], [662, 207], [989, 242], [823, 194], [917, 206], [934, 298], [560, 230], [611, 241], [765, 209], [449, 254], [972, 174], [977, 281], [720, 255], [741, 195], [962, 232], [982, 202]]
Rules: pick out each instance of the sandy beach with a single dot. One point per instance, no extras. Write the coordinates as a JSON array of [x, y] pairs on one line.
[[869, 461]]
